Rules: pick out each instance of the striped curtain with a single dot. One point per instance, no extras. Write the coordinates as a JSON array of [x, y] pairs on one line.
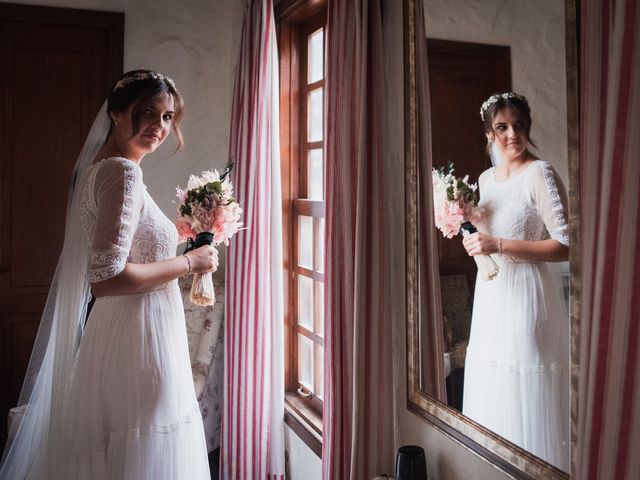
[[609, 382], [358, 410], [252, 439]]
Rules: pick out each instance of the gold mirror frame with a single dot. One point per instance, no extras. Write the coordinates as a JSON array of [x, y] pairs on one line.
[[507, 457]]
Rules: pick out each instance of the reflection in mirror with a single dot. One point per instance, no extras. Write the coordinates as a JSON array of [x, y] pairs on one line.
[[500, 353]]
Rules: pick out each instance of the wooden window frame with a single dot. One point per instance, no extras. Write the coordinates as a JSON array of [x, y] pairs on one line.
[[295, 20]]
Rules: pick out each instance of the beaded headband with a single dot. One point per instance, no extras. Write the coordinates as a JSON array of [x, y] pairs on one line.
[[142, 76], [494, 98]]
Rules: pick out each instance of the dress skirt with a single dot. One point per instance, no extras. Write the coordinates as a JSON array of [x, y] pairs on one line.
[[133, 404], [517, 363]]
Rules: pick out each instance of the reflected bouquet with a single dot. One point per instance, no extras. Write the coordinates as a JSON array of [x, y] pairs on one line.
[[207, 215], [455, 206]]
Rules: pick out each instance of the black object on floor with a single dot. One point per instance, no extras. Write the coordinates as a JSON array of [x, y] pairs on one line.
[[214, 464], [411, 463]]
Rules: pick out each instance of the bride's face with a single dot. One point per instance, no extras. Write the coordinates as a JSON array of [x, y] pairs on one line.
[[509, 133], [155, 124]]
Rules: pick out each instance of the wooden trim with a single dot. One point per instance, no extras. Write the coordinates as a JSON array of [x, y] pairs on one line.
[[311, 208], [315, 85], [60, 15], [572, 20], [500, 52], [289, 151], [296, 11], [296, 19], [317, 339], [314, 145], [305, 272], [305, 422]]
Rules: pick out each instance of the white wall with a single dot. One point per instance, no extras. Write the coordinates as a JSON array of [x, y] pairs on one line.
[[535, 32], [196, 43], [303, 463]]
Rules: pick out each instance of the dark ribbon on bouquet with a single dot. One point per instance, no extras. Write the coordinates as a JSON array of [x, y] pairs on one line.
[[203, 238], [468, 227]]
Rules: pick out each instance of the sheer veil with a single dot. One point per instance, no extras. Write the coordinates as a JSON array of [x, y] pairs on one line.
[[496, 156], [39, 427]]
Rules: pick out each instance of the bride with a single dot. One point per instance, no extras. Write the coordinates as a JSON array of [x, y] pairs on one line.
[[113, 397], [517, 365]]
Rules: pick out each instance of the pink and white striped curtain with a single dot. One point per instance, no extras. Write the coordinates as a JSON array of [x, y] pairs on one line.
[[609, 383], [358, 409], [252, 438]]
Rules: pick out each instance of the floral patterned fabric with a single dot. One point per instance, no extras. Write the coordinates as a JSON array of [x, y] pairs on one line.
[[205, 331]]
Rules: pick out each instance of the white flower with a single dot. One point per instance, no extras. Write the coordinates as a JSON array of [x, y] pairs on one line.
[[210, 176]]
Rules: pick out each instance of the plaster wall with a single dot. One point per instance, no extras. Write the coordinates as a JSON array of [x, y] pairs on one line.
[[535, 32], [302, 462]]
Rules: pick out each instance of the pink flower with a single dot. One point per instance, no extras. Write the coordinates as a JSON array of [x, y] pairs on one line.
[[184, 229], [453, 202]]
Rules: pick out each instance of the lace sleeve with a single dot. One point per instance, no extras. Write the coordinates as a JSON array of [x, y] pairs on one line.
[[550, 198], [118, 200]]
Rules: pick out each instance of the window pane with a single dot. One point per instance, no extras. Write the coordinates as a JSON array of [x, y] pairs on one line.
[[305, 302], [319, 371], [316, 44], [314, 115], [319, 266], [305, 241], [319, 286], [305, 361], [315, 173]]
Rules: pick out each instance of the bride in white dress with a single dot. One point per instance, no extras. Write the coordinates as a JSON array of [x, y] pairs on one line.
[[517, 364], [117, 400]]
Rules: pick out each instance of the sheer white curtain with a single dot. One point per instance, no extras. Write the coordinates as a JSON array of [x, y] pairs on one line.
[[608, 426], [358, 409], [252, 440]]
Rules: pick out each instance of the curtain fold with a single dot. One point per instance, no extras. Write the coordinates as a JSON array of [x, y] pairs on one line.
[[252, 439], [609, 382], [358, 409], [432, 335]]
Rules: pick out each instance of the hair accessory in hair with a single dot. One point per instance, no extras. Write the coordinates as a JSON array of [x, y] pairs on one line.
[[142, 76], [494, 98]]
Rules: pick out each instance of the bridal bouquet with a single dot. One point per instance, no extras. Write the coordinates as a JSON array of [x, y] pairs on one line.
[[207, 214], [455, 205]]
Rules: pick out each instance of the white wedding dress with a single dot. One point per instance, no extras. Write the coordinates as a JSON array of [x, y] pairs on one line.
[[132, 398], [517, 365]]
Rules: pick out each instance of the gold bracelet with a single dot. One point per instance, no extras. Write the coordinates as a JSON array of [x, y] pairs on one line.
[[499, 245], [188, 263]]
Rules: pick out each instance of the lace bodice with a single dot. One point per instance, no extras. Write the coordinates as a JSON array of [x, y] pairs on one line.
[[122, 222], [529, 206]]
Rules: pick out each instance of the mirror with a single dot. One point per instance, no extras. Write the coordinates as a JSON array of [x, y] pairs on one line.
[[470, 54]]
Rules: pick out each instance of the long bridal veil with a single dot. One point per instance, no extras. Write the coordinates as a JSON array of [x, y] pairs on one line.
[[38, 428]]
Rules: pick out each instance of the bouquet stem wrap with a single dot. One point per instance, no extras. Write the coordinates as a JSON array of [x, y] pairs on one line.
[[202, 292], [487, 267]]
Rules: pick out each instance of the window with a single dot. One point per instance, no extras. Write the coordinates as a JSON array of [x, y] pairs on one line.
[[301, 40]]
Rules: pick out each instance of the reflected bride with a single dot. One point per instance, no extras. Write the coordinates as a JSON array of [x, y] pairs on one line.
[[517, 363]]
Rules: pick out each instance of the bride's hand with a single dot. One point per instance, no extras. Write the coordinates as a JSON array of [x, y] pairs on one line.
[[480, 243], [203, 259]]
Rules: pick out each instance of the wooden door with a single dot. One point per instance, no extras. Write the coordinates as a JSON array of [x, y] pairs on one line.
[[56, 66], [461, 77]]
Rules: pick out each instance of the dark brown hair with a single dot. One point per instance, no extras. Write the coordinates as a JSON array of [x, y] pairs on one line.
[[517, 103], [141, 92]]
